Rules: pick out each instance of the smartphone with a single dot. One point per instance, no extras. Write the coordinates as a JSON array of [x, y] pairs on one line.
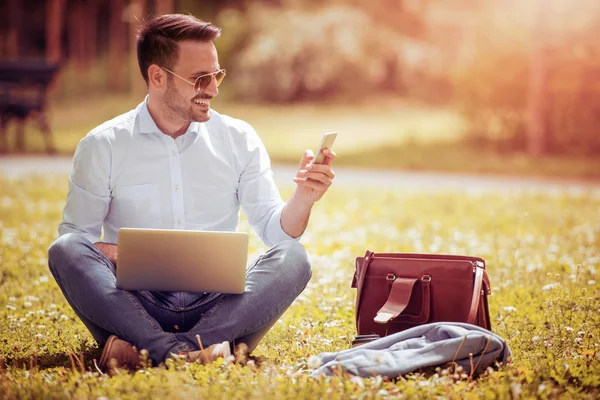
[[326, 143]]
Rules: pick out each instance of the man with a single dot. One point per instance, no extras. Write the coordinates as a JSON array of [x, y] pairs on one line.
[[174, 163]]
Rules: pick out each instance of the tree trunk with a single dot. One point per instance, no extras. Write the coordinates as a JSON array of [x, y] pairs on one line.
[[164, 7], [14, 27], [137, 16], [54, 25], [537, 127], [90, 30], [117, 51], [76, 22]]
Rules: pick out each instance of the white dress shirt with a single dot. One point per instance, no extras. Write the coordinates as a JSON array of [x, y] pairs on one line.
[[127, 173]]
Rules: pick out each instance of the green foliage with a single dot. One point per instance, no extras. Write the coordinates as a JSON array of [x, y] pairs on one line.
[[542, 251], [285, 54]]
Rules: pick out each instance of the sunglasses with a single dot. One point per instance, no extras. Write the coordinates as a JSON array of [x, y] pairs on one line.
[[202, 82]]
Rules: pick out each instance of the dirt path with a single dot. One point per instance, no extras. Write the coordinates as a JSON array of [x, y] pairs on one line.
[[17, 166]]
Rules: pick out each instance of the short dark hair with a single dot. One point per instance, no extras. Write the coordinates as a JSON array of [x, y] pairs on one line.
[[157, 40]]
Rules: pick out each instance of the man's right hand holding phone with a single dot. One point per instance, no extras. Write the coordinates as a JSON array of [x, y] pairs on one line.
[[313, 180], [315, 173]]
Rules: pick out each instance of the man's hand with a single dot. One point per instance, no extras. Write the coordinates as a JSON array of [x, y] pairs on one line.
[[313, 180], [109, 250]]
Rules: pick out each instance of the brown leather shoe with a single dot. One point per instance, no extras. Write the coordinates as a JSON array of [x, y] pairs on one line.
[[124, 353]]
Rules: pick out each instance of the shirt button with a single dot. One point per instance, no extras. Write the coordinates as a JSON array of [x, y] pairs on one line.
[[176, 187], [173, 153], [179, 222]]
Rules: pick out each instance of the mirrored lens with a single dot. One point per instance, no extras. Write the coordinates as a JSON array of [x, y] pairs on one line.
[[203, 81], [219, 76]]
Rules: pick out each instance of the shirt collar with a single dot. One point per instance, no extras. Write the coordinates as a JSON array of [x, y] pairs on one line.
[[148, 126]]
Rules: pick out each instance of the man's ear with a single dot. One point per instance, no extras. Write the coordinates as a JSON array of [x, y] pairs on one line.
[[157, 78]]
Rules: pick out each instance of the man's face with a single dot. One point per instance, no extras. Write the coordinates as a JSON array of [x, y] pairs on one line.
[[195, 58]]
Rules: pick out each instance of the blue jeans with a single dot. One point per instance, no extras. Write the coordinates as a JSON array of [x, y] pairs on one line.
[[168, 322]]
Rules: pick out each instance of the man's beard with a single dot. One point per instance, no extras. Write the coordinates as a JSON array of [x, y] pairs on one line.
[[179, 108]]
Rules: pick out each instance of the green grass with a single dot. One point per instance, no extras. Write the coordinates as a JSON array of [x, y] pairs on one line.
[[543, 258], [383, 133]]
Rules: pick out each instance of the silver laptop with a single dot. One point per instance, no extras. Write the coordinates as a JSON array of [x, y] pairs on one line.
[[177, 260]]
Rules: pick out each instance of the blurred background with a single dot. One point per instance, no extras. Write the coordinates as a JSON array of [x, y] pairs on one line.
[[478, 86]]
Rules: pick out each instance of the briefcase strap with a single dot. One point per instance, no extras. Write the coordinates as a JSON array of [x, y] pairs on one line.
[[399, 298], [362, 264], [476, 295]]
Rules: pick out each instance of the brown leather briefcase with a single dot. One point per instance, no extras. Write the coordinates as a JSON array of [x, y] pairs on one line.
[[397, 291]]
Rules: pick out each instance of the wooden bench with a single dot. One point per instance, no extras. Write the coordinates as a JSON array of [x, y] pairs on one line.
[[23, 90]]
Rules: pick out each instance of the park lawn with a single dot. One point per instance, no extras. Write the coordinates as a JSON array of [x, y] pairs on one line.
[[382, 133], [542, 252], [286, 130]]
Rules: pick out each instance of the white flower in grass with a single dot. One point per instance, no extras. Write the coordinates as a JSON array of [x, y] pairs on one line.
[[31, 298], [533, 267], [535, 338], [12, 299], [39, 336], [52, 305], [550, 286], [314, 362], [591, 282], [63, 316], [11, 307], [44, 278], [510, 309], [357, 380], [27, 304], [568, 329]]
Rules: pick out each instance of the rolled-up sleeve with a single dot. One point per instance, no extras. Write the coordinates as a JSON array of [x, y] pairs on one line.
[[89, 197], [259, 195]]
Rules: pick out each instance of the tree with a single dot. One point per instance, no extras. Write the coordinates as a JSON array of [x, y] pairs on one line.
[[538, 85], [14, 28], [137, 14], [76, 26], [117, 50], [54, 25], [90, 30], [164, 7]]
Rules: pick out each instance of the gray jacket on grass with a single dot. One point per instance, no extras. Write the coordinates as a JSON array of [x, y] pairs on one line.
[[422, 346]]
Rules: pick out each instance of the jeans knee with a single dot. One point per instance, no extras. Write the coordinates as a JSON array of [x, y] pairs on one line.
[[297, 260], [63, 248]]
